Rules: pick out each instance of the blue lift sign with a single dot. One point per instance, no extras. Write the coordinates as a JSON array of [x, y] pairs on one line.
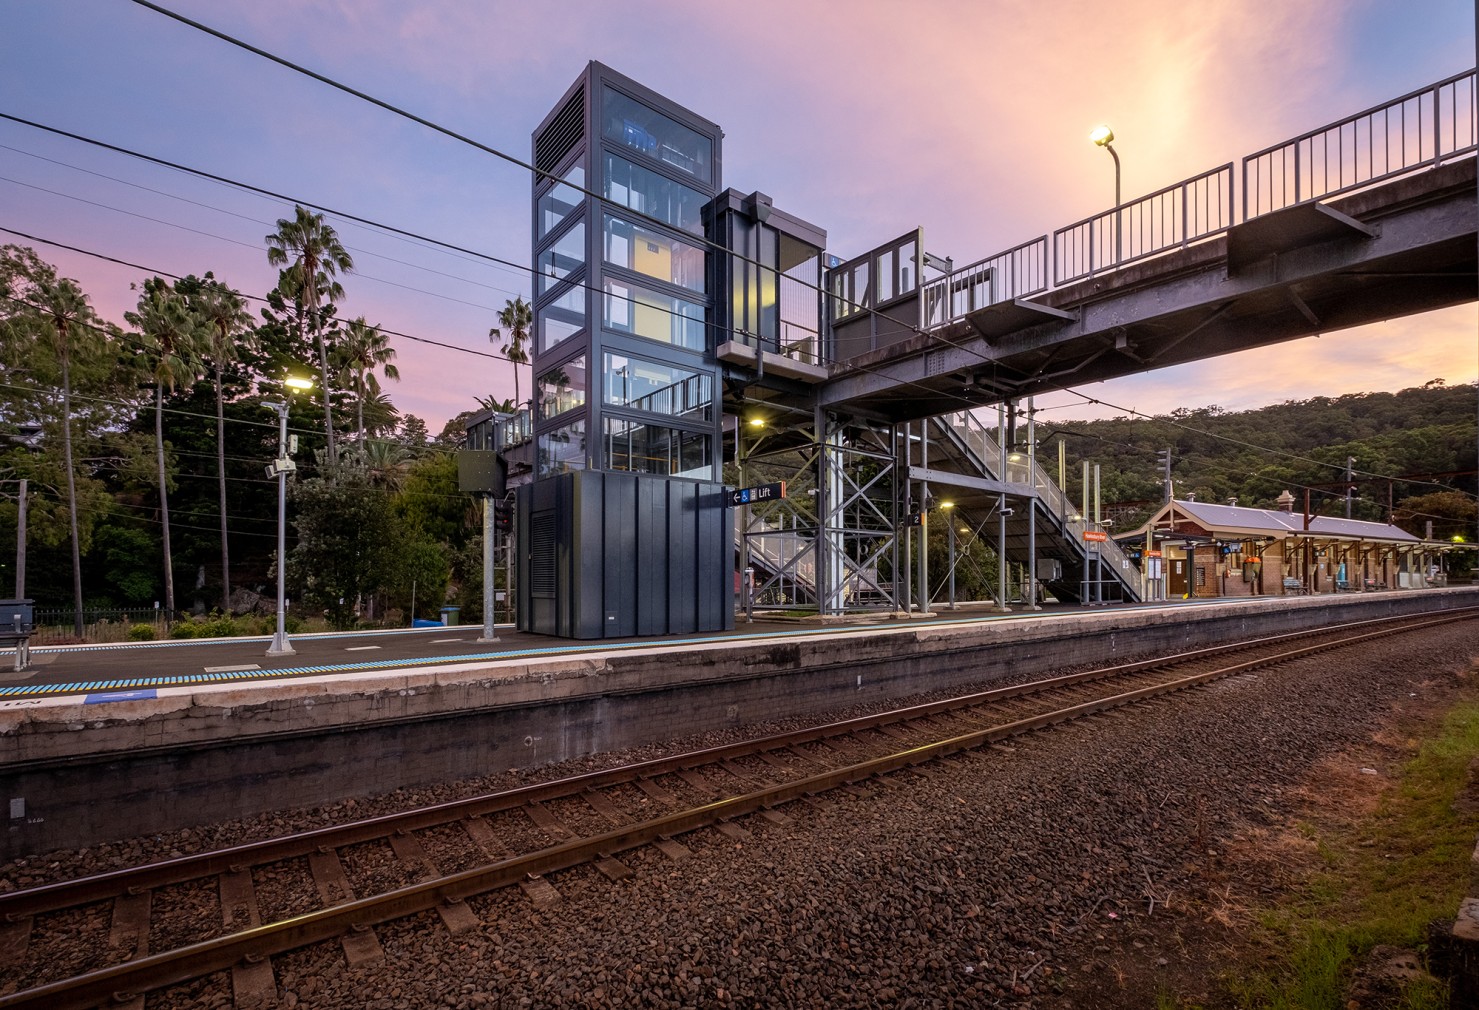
[[752, 495]]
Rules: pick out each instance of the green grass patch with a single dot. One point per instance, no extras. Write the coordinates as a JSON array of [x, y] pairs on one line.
[[1381, 881]]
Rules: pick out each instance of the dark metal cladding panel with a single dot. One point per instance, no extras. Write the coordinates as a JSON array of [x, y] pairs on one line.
[[656, 556], [622, 562], [684, 575], [714, 547], [586, 553]]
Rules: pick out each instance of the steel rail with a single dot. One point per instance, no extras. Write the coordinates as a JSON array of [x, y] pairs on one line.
[[124, 981], [104, 886]]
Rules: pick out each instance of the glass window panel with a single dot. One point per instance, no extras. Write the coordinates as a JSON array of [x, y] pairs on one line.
[[639, 128], [562, 388], [562, 450], [651, 252], [861, 293], [886, 275], [563, 258], [560, 319], [637, 384], [768, 318], [655, 195], [799, 312], [560, 201], [640, 447], [908, 281], [631, 308]]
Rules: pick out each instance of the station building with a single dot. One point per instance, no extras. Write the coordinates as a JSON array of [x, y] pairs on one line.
[[1211, 550]]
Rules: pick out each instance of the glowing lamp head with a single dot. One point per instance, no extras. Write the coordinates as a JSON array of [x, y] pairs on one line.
[[1102, 135], [947, 504], [295, 382], [756, 422]]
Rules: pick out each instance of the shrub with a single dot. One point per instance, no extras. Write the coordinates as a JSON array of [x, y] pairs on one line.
[[216, 627], [184, 629], [141, 633]]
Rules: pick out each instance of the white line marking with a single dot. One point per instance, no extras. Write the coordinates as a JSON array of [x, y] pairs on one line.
[[443, 641], [360, 648], [232, 669]]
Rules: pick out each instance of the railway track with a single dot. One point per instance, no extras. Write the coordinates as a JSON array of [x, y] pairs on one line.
[[234, 909]]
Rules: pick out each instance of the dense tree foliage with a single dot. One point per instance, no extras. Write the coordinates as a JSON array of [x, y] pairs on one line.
[[144, 451], [160, 436], [1405, 445]]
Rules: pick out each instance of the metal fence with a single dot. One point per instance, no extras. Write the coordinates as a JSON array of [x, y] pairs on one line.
[[1418, 130], [1170, 218], [101, 625], [1019, 272]]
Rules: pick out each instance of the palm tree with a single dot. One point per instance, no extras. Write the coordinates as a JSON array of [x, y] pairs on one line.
[[222, 311], [386, 462], [504, 406], [517, 317], [310, 254], [364, 349], [170, 335], [75, 334], [380, 414]]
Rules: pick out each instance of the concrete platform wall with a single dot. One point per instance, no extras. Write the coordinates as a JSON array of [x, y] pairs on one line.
[[77, 774]]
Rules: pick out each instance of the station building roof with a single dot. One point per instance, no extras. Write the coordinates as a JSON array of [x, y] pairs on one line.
[[1275, 524]]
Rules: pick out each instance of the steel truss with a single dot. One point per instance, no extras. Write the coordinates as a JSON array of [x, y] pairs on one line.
[[832, 542]]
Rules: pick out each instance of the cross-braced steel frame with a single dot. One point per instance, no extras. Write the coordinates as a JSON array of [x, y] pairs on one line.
[[832, 542]]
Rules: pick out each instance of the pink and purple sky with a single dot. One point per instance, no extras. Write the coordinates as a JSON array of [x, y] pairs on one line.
[[869, 118]]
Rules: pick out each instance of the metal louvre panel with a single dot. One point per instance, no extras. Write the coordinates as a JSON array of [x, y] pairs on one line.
[[562, 134], [542, 554]]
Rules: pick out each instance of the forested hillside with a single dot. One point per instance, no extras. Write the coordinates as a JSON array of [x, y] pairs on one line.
[[1414, 453]]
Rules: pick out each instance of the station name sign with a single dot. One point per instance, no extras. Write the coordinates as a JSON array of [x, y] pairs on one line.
[[764, 492], [1096, 536]]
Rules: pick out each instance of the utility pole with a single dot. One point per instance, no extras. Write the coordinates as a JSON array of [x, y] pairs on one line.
[[1350, 463], [490, 537], [1164, 459], [20, 545]]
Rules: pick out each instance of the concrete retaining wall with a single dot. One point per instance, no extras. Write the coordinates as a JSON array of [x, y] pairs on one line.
[[78, 774]]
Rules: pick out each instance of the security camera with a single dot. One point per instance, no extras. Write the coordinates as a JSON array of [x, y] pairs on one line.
[[1007, 512]]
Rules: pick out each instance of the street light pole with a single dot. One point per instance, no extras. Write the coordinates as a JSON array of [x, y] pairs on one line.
[[1104, 137], [280, 646], [281, 466], [949, 508]]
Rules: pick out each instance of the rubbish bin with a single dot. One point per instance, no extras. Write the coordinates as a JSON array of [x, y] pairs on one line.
[[450, 615]]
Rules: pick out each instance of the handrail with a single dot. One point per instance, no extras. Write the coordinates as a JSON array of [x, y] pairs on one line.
[[1420, 129], [1170, 218], [978, 440], [1018, 272]]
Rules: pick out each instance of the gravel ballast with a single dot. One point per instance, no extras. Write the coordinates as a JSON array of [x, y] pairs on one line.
[[1004, 876]]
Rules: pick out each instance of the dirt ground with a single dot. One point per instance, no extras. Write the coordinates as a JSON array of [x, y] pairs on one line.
[[1179, 950]]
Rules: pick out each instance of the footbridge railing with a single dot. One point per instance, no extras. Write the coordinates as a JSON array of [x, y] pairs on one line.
[[1419, 130], [1170, 218]]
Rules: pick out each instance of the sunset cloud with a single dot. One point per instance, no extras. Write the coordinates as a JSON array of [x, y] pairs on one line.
[[869, 118]]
